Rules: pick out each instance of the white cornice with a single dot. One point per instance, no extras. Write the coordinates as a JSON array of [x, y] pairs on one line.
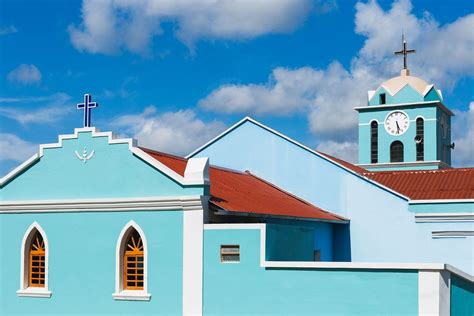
[[186, 203], [397, 105], [132, 145], [438, 163], [249, 119], [447, 201]]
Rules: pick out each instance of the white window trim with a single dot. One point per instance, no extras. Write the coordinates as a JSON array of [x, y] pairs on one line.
[[120, 293], [25, 290]]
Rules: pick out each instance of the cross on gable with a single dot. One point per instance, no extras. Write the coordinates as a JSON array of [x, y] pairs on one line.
[[87, 106], [405, 52]]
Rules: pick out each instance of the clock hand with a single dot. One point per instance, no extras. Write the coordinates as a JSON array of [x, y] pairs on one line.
[[398, 127]]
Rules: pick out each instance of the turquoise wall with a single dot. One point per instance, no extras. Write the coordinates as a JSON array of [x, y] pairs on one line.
[[406, 95], [429, 113], [113, 171], [82, 262], [458, 207], [462, 296], [247, 288]]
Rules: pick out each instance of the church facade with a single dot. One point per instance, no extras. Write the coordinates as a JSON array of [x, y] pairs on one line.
[[252, 222]]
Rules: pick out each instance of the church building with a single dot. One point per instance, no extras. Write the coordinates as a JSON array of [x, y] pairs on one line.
[[251, 223]]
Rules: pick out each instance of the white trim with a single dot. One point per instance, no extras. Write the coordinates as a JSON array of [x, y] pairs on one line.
[[443, 217], [452, 234], [396, 105], [24, 289], [438, 163], [120, 293], [104, 205], [441, 201], [434, 293], [192, 262], [249, 119], [132, 145]]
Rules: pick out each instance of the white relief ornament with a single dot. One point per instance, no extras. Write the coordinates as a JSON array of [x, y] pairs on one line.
[[84, 156]]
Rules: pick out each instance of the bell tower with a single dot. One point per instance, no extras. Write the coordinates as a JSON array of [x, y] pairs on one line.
[[405, 124]]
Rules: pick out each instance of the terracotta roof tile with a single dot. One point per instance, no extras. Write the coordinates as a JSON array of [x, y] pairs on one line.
[[236, 191]]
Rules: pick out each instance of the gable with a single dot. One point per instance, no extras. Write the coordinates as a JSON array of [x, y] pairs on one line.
[[294, 167], [112, 168]]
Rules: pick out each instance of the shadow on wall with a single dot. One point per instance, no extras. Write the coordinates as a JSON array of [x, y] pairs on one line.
[[341, 243]]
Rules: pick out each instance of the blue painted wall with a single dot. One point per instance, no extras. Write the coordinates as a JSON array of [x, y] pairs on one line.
[[113, 171], [406, 95], [247, 288], [82, 262], [289, 243], [462, 297], [382, 229]]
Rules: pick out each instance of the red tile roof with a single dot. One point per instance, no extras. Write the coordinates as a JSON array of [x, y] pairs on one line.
[[452, 183], [243, 192]]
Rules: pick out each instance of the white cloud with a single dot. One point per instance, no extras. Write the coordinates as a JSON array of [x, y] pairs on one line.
[[111, 25], [8, 30], [25, 74], [14, 148], [345, 150], [172, 132], [463, 137], [328, 96], [46, 109]]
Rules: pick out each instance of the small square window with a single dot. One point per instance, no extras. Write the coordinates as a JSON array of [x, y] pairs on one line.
[[230, 253], [382, 98]]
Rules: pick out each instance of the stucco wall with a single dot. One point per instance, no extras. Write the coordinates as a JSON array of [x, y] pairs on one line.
[[82, 249], [246, 288], [462, 297]]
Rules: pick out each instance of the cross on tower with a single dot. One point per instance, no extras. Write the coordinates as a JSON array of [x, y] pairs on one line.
[[405, 52], [87, 106]]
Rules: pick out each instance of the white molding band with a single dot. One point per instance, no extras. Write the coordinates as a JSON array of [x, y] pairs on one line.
[[397, 105], [452, 234], [193, 262], [24, 289], [434, 297], [443, 217], [438, 201], [189, 202], [120, 293], [249, 119], [374, 166], [194, 179]]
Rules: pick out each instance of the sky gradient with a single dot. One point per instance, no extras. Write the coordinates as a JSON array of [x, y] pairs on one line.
[[174, 74]]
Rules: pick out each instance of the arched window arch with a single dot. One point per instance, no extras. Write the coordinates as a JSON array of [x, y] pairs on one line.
[[34, 263], [420, 147], [396, 151], [374, 139], [131, 264]]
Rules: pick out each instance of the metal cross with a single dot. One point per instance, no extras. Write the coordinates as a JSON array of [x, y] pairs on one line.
[[405, 52], [87, 106]]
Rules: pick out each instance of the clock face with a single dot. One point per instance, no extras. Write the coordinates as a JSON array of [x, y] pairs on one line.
[[444, 126], [396, 123]]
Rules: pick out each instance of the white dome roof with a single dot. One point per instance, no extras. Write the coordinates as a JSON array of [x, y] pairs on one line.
[[397, 83]]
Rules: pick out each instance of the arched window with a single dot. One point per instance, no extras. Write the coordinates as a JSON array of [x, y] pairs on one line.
[[34, 263], [396, 151], [131, 264], [420, 147], [374, 142]]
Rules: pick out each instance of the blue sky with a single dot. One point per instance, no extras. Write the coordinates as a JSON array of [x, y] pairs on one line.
[[174, 74]]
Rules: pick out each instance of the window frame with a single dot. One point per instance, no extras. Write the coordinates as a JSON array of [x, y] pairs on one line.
[[25, 289], [120, 292], [374, 142], [403, 151], [420, 131]]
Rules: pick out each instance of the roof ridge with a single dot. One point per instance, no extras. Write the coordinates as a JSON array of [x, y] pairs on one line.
[[148, 150], [292, 195], [419, 171]]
